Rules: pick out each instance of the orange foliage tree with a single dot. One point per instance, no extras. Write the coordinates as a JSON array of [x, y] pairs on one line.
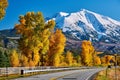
[[34, 37], [69, 58], [56, 48], [106, 59], [14, 59], [97, 60], [87, 53], [3, 6]]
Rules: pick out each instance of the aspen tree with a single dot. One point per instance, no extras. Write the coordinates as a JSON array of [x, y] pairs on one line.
[[3, 6], [56, 47], [34, 40]]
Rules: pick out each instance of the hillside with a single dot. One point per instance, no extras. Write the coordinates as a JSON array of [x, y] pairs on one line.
[[103, 31]]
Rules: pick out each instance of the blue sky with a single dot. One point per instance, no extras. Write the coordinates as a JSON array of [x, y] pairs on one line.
[[109, 8]]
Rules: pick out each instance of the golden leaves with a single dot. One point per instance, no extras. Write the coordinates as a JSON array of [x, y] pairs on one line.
[[14, 59], [34, 39], [3, 6], [87, 53], [56, 47]]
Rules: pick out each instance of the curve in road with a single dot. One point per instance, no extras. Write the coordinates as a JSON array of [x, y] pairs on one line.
[[83, 74]]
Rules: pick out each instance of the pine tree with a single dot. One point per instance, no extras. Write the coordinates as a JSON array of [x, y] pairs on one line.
[[4, 59], [3, 6], [7, 58]]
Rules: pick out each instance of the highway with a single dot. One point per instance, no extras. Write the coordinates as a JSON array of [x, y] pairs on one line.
[[83, 74]]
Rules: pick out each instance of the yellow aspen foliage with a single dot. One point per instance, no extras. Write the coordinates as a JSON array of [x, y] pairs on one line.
[[78, 59], [36, 58], [97, 60], [14, 59], [31, 63], [75, 63], [56, 61], [34, 39], [56, 47], [63, 64], [3, 6], [87, 53], [62, 58], [69, 58], [63, 61], [106, 59], [24, 61], [103, 60]]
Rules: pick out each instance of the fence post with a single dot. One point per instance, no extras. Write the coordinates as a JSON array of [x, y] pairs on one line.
[[22, 72]]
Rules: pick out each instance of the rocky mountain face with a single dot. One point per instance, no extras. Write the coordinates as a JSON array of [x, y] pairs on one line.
[[8, 38], [87, 25]]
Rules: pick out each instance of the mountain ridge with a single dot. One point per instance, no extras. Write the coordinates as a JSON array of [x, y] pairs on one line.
[[86, 25], [103, 31]]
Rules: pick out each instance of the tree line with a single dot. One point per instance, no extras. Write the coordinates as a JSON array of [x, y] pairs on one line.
[[41, 45]]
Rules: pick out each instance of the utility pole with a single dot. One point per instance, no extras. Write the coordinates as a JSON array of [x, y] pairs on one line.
[[115, 66]]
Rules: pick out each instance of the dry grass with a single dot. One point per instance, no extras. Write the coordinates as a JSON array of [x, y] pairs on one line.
[[110, 75]]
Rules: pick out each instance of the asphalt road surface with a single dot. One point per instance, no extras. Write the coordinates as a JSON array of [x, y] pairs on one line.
[[83, 74]]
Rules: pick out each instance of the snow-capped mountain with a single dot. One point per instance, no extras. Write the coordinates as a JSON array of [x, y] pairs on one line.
[[88, 25]]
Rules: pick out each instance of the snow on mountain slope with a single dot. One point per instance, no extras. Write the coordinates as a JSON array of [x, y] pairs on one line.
[[88, 25]]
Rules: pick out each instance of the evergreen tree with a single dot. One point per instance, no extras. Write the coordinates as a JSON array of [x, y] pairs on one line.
[[4, 59], [7, 58]]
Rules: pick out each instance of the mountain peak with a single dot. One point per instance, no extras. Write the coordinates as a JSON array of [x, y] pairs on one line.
[[60, 14], [87, 11], [83, 10], [63, 13], [84, 23]]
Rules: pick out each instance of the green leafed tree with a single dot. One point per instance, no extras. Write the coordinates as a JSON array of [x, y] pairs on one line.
[[4, 59]]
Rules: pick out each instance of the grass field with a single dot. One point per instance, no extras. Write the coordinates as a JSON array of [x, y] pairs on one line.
[[109, 75]]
